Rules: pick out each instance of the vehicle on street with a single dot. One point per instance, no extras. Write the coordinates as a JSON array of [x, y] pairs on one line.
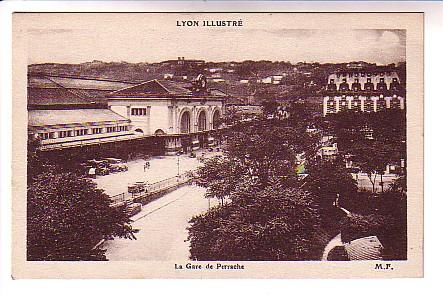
[[101, 166], [211, 142], [137, 187], [195, 145], [116, 165]]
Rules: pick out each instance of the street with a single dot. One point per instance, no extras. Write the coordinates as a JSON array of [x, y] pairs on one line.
[[363, 181], [161, 167], [162, 225]]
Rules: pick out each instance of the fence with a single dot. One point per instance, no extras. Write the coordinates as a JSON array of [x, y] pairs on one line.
[[154, 188]]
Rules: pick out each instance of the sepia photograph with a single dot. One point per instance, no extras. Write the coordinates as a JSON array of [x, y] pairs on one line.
[[210, 141]]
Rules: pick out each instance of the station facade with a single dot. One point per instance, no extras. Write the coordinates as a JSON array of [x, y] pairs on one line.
[[186, 115]]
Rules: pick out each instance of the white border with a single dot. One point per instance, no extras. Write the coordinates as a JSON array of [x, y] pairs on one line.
[[433, 161]]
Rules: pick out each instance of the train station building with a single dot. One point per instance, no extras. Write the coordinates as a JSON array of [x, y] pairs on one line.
[[171, 115]]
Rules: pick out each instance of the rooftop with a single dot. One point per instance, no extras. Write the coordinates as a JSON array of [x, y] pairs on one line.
[[78, 116], [367, 248], [165, 88], [50, 89]]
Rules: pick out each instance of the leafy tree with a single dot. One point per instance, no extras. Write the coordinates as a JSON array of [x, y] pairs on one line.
[[267, 215], [326, 180], [275, 223], [386, 145], [67, 215]]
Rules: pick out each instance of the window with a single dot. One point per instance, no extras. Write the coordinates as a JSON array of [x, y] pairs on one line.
[[81, 132], [138, 111], [362, 74], [111, 129], [68, 133], [331, 81], [382, 80], [369, 80], [46, 135], [96, 130], [356, 75], [382, 74], [122, 128]]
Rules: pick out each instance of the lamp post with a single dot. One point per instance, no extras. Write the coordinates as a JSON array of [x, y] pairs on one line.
[[178, 164]]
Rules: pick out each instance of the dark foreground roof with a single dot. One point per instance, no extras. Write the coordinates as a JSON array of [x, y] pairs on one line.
[[367, 248]]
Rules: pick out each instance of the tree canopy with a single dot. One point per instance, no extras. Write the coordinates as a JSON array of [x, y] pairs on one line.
[[67, 215], [267, 215]]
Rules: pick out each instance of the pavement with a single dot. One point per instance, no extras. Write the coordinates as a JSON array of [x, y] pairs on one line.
[[161, 167], [163, 228], [334, 242], [364, 182]]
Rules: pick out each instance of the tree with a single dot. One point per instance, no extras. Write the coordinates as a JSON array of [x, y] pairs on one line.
[[326, 180], [267, 215], [67, 215], [275, 223], [384, 144]]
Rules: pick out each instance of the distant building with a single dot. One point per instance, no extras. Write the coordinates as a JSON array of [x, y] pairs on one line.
[[215, 70], [181, 61], [367, 89], [276, 79]]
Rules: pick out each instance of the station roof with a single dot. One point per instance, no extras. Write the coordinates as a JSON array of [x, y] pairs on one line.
[[38, 118], [71, 82], [47, 89], [165, 88]]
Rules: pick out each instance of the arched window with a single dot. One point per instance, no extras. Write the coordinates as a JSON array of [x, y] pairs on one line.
[[185, 123], [216, 119], [202, 121], [159, 132]]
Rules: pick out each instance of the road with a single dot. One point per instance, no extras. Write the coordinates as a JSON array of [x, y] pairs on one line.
[[334, 242], [364, 183], [162, 225], [160, 168]]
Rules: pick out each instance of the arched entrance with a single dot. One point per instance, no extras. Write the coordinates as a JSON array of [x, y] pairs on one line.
[[216, 119], [202, 121], [138, 130], [185, 123]]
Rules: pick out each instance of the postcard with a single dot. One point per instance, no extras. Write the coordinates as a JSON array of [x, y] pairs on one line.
[[217, 145]]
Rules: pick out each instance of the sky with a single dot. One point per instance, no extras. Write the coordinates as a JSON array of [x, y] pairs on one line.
[[154, 38]]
